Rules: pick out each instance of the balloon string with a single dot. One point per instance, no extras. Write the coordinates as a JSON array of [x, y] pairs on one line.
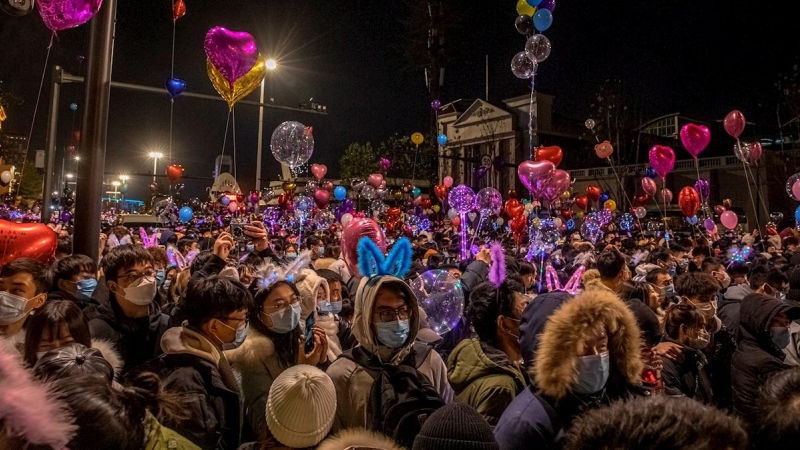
[[233, 113], [477, 230], [35, 110], [172, 69], [531, 118], [225, 139], [619, 181], [666, 223], [749, 189], [171, 106], [758, 192], [463, 225]]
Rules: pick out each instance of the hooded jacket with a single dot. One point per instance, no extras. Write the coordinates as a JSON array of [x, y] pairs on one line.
[[536, 417], [358, 438], [729, 307], [757, 357], [193, 368], [533, 321], [353, 382], [642, 270], [483, 377], [688, 378], [257, 364], [137, 340]]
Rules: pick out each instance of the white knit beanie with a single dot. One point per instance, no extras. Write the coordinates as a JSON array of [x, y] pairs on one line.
[[301, 406]]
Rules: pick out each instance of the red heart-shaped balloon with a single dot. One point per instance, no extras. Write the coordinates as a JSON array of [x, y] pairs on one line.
[[441, 191], [26, 240], [425, 203], [552, 153], [514, 208], [593, 192], [174, 172], [582, 201]]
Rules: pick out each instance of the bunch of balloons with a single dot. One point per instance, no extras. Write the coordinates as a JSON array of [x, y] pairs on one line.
[[233, 63]]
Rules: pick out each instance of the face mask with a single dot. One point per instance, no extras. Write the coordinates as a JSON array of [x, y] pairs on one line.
[[726, 279], [12, 308], [708, 310], [86, 288], [250, 247], [321, 251], [241, 333], [684, 263], [701, 341], [336, 307], [291, 255], [286, 320], [393, 334], [324, 308], [161, 275], [672, 270], [779, 336], [142, 291], [592, 373], [230, 273], [669, 290], [167, 284]]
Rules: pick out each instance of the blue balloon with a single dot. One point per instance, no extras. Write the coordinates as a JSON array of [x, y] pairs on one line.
[[604, 197], [534, 3], [570, 224], [73, 106], [692, 220], [175, 87], [225, 200], [416, 192], [542, 19], [442, 139], [797, 214], [185, 214], [650, 173], [339, 193]]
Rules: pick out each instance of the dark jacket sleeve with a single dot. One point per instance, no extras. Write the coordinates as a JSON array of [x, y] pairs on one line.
[[213, 266], [673, 382], [474, 275], [202, 424], [101, 330]]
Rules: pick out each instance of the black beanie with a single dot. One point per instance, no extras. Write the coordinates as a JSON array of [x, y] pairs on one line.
[[456, 426]]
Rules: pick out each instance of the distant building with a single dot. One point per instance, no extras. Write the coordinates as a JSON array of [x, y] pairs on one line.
[[12, 148], [478, 133]]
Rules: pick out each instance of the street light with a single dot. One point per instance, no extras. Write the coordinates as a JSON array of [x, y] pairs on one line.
[[271, 66], [69, 176], [124, 177], [77, 158], [155, 156]]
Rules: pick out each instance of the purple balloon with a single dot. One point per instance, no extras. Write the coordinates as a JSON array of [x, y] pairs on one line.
[[703, 188], [709, 224], [548, 5], [480, 172], [489, 201], [462, 199], [499, 163], [232, 53], [64, 14], [65, 216], [347, 205], [436, 104]]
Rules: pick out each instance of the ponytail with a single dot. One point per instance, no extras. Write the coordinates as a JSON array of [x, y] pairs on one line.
[[146, 394]]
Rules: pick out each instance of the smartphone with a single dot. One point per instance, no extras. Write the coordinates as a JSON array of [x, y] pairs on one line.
[[310, 322]]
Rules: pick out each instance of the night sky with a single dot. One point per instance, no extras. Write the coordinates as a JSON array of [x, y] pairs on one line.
[[700, 57]]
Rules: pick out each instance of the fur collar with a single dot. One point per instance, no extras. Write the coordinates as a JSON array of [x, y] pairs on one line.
[[110, 354], [254, 350], [555, 367], [358, 437]]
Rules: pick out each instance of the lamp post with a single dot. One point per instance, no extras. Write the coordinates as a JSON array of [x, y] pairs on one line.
[[155, 156], [271, 66]]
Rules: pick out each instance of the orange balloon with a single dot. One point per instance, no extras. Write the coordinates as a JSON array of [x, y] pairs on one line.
[[552, 153]]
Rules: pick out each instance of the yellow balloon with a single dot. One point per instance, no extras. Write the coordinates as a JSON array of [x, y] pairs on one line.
[[417, 138], [610, 205], [436, 208], [579, 214], [242, 86], [524, 8]]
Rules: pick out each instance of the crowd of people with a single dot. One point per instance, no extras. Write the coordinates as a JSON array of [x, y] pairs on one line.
[[197, 339]]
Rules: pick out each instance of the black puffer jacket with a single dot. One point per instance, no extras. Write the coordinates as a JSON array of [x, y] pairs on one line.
[[688, 378], [757, 357]]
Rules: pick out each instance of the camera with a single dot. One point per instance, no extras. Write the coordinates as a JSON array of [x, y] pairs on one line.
[[237, 231]]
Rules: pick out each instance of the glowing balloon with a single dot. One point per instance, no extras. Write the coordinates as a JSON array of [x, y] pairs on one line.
[[441, 295], [522, 67], [462, 199], [489, 201], [640, 212], [538, 48], [292, 144]]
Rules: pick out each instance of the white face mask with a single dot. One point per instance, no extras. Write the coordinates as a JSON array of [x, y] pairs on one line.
[[142, 291], [12, 308], [230, 272]]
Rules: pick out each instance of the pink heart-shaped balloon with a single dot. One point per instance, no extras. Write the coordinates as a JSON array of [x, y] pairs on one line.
[[666, 195], [536, 175], [60, 15], [649, 186], [319, 171], [604, 149], [232, 53], [755, 151], [695, 138], [662, 159], [734, 123], [375, 180]]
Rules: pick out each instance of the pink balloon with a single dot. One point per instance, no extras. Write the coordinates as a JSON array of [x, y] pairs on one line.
[[734, 123], [604, 149], [796, 189], [375, 180], [322, 198], [666, 195], [319, 171], [232, 53], [729, 219], [662, 159], [755, 152], [649, 186], [719, 209], [536, 175], [695, 138], [60, 15], [559, 183], [354, 230], [233, 206], [448, 181]]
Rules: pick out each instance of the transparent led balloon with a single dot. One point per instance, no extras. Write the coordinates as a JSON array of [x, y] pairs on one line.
[[292, 143], [441, 295], [538, 48], [522, 67]]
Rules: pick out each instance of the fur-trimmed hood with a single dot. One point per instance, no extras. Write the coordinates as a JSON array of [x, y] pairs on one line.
[[307, 283], [360, 438], [255, 349], [110, 354], [555, 371]]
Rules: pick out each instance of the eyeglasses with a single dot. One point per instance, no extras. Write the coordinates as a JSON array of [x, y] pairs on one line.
[[389, 316], [246, 319], [283, 303], [133, 275]]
